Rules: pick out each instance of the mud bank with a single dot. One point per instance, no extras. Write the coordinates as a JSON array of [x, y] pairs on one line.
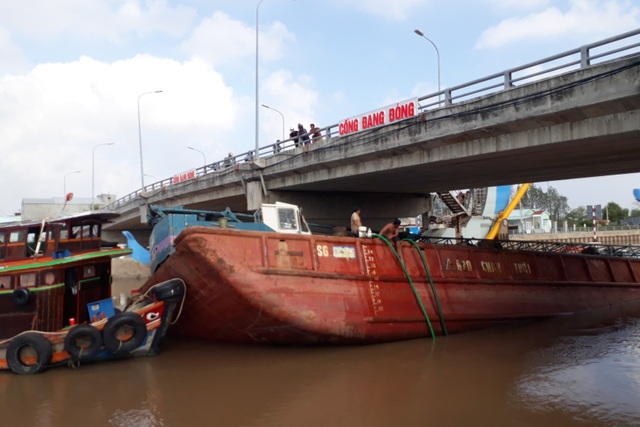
[[127, 268]]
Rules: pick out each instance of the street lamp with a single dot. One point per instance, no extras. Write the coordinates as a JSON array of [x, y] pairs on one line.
[[418, 32], [270, 108], [93, 158], [203, 156], [65, 181], [140, 136], [257, 95]]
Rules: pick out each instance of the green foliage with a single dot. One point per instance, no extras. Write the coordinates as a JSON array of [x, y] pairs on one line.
[[558, 207], [578, 217], [615, 213], [553, 202]]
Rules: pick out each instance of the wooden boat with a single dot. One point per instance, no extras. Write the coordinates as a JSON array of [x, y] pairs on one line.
[[268, 287], [55, 297]]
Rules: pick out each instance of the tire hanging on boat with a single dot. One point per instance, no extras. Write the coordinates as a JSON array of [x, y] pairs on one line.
[[170, 291], [124, 332], [29, 353], [21, 296], [82, 341]]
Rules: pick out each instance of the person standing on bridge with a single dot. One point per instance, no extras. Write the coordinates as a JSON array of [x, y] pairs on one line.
[[316, 135], [303, 135], [294, 135], [356, 223], [229, 160]]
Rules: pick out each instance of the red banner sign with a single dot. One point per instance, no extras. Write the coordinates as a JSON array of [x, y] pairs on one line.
[[184, 176], [380, 117]]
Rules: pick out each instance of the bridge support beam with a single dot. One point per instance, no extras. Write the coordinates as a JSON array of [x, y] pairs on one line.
[[333, 208]]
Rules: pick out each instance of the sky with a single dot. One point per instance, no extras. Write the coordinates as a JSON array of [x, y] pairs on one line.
[[78, 79]]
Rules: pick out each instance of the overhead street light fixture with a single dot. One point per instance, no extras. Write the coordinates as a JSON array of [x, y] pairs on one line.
[[271, 108], [421, 34], [93, 160], [64, 188], [203, 156], [140, 136]]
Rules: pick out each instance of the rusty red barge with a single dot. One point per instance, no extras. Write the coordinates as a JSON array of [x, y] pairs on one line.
[[270, 287]]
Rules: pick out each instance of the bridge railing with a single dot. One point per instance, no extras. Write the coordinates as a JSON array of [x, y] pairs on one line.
[[604, 50]]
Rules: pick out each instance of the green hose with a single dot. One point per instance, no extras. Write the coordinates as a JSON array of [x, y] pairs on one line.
[[433, 287], [413, 288]]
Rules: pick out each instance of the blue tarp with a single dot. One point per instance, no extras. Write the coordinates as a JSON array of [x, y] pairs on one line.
[[139, 253], [503, 196]]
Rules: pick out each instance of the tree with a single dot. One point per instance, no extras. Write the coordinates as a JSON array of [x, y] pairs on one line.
[[634, 213], [533, 198], [551, 201], [557, 204], [578, 217], [615, 213]]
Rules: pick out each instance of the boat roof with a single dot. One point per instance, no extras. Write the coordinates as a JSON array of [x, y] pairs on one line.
[[100, 216]]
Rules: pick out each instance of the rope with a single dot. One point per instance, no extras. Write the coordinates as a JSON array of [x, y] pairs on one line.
[[433, 287], [184, 297], [413, 288]]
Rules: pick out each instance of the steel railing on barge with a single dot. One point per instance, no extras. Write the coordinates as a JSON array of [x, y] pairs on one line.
[[591, 248]]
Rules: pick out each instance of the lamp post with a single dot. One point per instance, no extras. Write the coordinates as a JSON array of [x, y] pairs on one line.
[[257, 94], [140, 136], [203, 156], [418, 32], [93, 159], [64, 188], [270, 108]]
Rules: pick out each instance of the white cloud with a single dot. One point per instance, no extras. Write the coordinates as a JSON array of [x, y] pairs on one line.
[[11, 57], [52, 117], [396, 10], [96, 57], [220, 39], [44, 19], [157, 16], [519, 4], [292, 97], [584, 17]]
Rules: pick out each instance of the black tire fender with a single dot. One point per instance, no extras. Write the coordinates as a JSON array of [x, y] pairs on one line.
[[124, 332], [29, 353], [21, 296], [170, 291], [82, 341]]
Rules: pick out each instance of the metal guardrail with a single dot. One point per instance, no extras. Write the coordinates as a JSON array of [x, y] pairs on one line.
[[587, 55], [591, 248], [585, 229]]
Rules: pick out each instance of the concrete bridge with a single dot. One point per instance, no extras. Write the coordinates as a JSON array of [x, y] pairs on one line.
[[576, 114]]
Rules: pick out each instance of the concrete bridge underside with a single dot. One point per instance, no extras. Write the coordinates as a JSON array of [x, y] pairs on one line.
[[580, 124]]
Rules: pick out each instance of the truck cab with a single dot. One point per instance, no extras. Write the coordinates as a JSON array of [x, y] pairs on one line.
[[282, 218]]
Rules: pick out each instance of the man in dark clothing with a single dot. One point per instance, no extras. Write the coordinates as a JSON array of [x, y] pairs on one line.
[[294, 135], [303, 134]]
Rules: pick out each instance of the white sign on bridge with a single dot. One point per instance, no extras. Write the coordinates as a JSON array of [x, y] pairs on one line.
[[184, 176], [379, 117]]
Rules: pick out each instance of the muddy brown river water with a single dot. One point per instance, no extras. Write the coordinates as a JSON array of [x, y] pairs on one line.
[[575, 371]]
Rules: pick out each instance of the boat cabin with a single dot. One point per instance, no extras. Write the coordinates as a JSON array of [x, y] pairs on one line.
[[23, 241], [282, 218], [51, 270]]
